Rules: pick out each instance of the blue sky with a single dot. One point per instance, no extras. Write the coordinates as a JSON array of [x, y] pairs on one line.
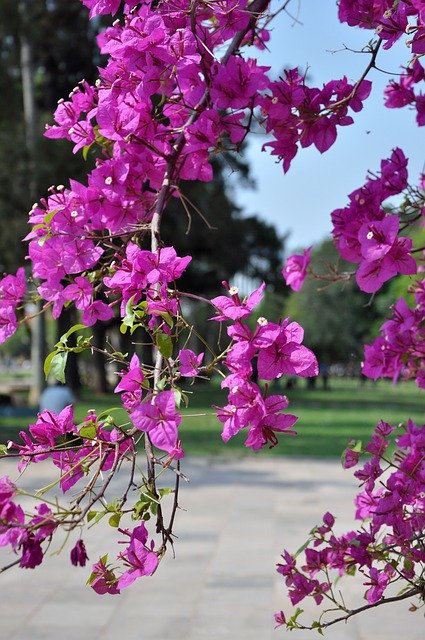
[[300, 201]]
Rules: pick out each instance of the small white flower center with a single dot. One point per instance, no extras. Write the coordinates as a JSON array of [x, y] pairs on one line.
[[233, 291], [74, 214], [108, 180], [370, 235], [262, 321]]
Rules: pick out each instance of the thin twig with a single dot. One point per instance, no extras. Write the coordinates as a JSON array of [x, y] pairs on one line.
[[366, 607]]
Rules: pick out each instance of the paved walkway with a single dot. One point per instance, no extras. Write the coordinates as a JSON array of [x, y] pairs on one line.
[[222, 584]]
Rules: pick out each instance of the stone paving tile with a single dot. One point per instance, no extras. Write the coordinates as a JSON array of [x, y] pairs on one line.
[[239, 515]]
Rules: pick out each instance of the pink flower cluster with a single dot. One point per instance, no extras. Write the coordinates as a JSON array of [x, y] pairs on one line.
[[363, 13], [401, 93], [139, 560], [389, 19], [367, 235], [146, 273], [156, 414], [394, 24], [24, 535], [277, 350], [12, 291], [391, 507], [400, 349], [392, 21], [298, 114], [54, 436]]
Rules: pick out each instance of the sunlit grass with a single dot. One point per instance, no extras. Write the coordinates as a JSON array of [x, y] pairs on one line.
[[327, 419]]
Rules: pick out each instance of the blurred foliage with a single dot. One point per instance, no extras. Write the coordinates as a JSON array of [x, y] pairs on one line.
[[64, 52]]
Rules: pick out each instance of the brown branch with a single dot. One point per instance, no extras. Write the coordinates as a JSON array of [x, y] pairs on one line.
[[374, 53], [75, 521], [9, 566], [256, 8], [366, 607]]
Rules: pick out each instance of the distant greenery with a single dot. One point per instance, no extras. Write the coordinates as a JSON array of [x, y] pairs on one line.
[[327, 418]]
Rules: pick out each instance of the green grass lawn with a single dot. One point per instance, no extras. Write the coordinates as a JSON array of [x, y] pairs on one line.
[[327, 419]]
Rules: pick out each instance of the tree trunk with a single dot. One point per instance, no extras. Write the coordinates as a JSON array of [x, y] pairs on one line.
[[38, 325], [100, 382]]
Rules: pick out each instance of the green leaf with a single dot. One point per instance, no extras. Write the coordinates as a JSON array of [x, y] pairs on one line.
[[113, 505], [86, 150], [114, 520], [139, 508], [134, 327], [357, 446], [302, 548], [118, 354], [149, 496], [318, 626], [99, 516], [89, 432], [48, 363], [292, 622], [128, 319], [50, 215], [165, 491], [91, 515], [3, 449], [58, 364], [168, 319], [164, 344], [161, 384], [91, 578], [408, 564], [73, 329], [177, 397]]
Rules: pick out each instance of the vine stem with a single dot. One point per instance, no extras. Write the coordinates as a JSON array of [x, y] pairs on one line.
[[255, 9], [366, 607]]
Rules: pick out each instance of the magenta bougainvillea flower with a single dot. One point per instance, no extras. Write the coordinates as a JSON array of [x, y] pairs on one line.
[[189, 363], [140, 559], [295, 269], [78, 554], [102, 579], [233, 307], [159, 419]]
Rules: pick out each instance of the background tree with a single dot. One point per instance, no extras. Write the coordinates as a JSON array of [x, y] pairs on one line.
[[64, 52]]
